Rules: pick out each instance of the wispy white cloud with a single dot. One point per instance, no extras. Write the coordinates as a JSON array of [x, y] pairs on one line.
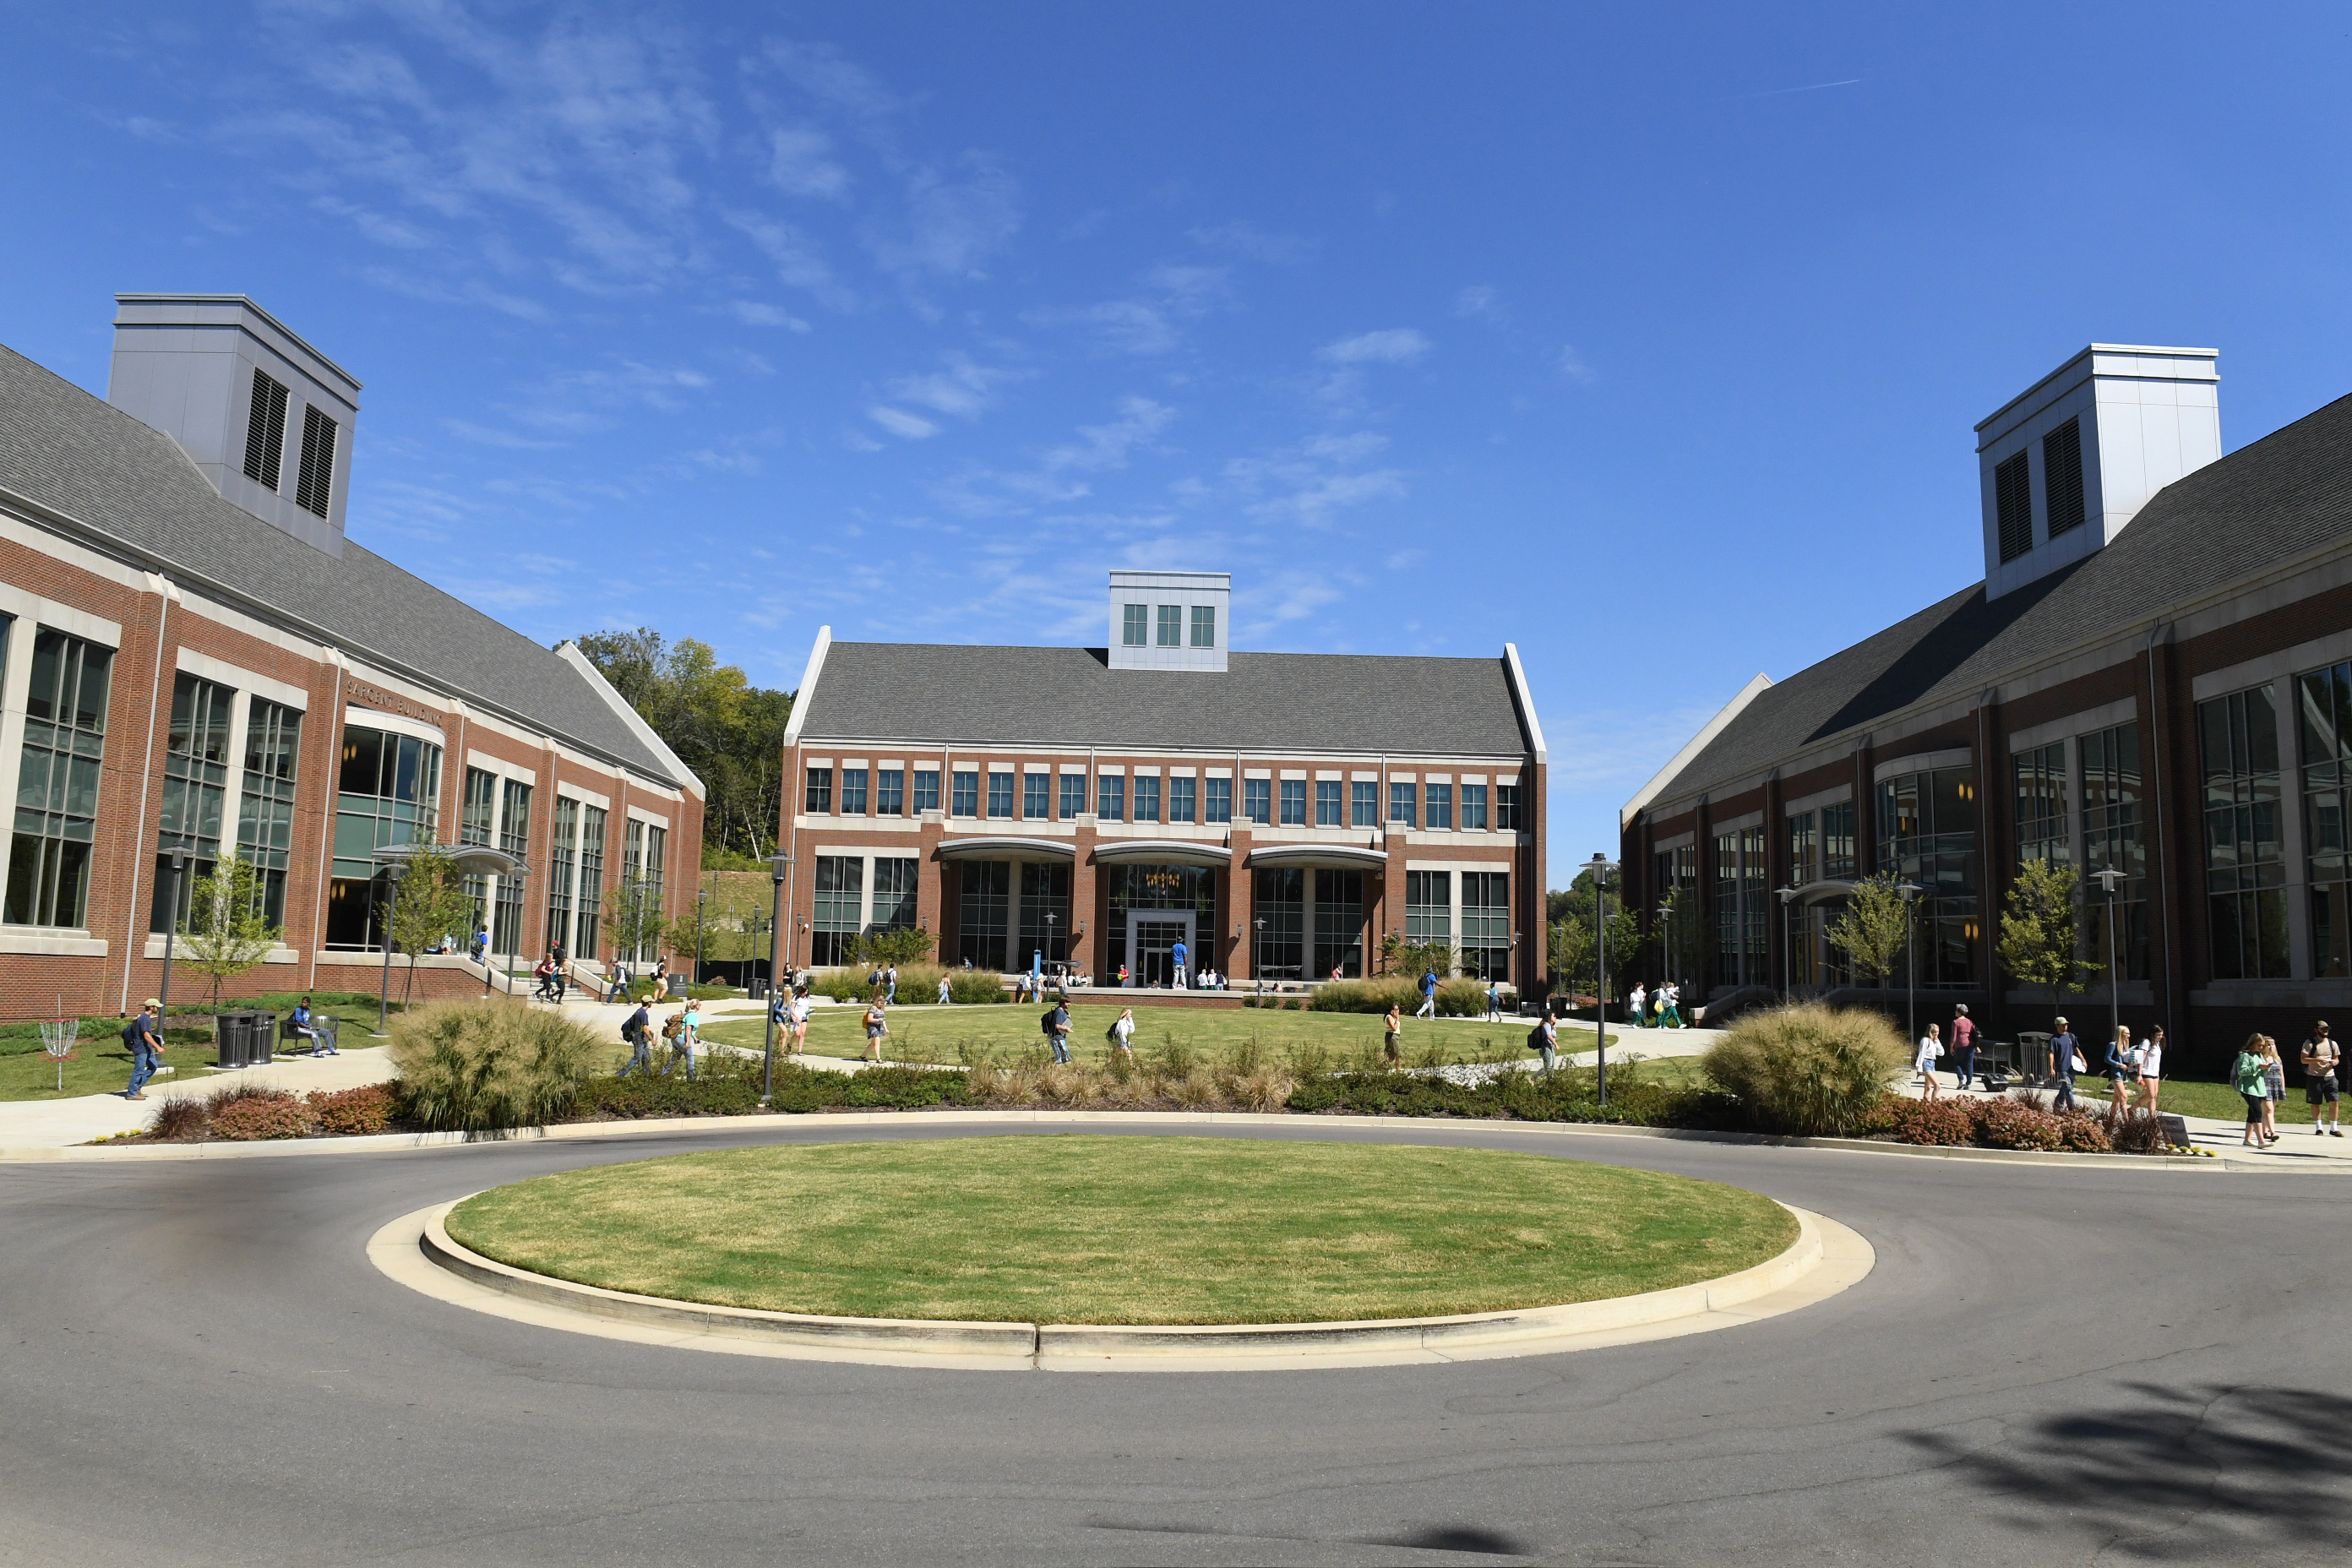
[[914, 427], [1391, 345], [801, 163], [952, 223], [1309, 483], [1151, 322], [961, 389], [1479, 300], [1246, 240], [1572, 365], [752, 313]]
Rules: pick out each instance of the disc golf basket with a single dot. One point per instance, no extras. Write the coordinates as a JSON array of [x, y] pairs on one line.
[[58, 1039]]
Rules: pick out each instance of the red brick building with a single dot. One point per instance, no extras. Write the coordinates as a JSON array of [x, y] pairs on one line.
[[192, 658], [1276, 814], [2155, 678]]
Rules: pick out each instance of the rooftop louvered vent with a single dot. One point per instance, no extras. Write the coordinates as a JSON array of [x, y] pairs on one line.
[[317, 479], [2014, 489], [2061, 477], [265, 430]]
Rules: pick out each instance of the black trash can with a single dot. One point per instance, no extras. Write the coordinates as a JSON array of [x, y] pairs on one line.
[[229, 1035], [261, 1044]]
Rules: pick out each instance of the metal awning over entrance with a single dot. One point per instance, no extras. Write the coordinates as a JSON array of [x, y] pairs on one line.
[[1820, 892], [1008, 846], [470, 859], [1162, 852], [1334, 856]]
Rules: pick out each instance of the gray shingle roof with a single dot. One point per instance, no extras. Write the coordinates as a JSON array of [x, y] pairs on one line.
[[2280, 498], [76, 455], [1057, 697]]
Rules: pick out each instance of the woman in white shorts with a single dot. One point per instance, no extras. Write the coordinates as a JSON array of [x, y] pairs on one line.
[[1931, 1046]]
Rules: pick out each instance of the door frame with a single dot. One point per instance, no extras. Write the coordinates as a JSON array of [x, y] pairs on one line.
[[1134, 953]]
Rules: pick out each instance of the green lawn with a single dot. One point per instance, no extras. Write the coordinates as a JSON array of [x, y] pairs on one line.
[[949, 1035], [2187, 1098], [1093, 1229]]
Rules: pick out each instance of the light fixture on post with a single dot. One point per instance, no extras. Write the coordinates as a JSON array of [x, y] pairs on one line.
[[1257, 958], [2108, 881], [171, 930], [701, 897], [777, 866], [1911, 891], [1601, 866], [1787, 940], [514, 927], [392, 873]]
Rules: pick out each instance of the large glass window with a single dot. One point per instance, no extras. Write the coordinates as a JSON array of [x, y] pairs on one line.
[[895, 881], [1326, 803], [195, 791], [983, 912], [2043, 832], [840, 911], [562, 864], [1172, 625], [1804, 868], [891, 792], [1147, 797], [1074, 795], [1135, 624], [2111, 839], [818, 801], [1338, 924], [1441, 808], [1474, 808], [1044, 890], [1487, 925], [1000, 795], [478, 822], [265, 810], [966, 799], [56, 784], [1219, 806], [1400, 805], [927, 790], [1677, 874], [2245, 861], [853, 792], [1153, 888], [1364, 803], [1837, 841], [1181, 798], [590, 929], [2323, 703], [1205, 626], [1036, 796], [1741, 909], [1294, 803], [1928, 836], [388, 791], [514, 837], [1429, 907], [1110, 797], [1279, 898], [1257, 800]]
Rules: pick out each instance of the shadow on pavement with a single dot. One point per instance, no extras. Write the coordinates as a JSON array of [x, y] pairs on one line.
[[2195, 1474]]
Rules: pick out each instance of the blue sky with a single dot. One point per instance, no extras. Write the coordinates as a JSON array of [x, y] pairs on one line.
[[1649, 338]]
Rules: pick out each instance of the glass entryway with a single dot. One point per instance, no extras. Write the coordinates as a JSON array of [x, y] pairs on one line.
[[1152, 938]]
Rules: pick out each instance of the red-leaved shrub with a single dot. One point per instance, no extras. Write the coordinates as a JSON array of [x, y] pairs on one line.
[[1943, 1122], [354, 1112], [256, 1116], [2080, 1133], [2009, 1124]]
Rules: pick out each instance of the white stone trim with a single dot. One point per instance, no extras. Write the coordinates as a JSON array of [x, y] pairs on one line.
[[2282, 666], [1836, 794], [223, 673], [396, 724], [1736, 824], [1923, 762], [639, 814], [44, 943], [2091, 719], [568, 791], [500, 768]]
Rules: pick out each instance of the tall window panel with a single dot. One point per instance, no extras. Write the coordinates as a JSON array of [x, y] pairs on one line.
[[514, 837], [817, 801], [1218, 804], [1044, 890], [1135, 624], [265, 810], [895, 880], [891, 792], [57, 786], [195, 791], [1681, 940], [1147, 797], [478, 823], [1402, 810], [2043, 831], [927, 790], [1172, 625], [1441, 807], [1804, 868], [1338, 924], [1182, 798], [1506, 809], [966, 799], [853, 792], [588, 932], [633, 875], [1074, 796], [1257, 800], [1755, 906], [1728, 940], [840, 908], [2245, 859], [1429, 907], [983, 912], [1036, 796], [2111, 840], [1474, 808], [1928, 836], [1110, 797], [387, 791], [563, 867], [1000, 795], [1837, 841], [1327, 803], [1294, 803], [1205, 626], [1487, 925], [2323, 719], [1363, 803], [1277, 951]]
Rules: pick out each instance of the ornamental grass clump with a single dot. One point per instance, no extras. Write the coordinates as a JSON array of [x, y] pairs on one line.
[[1809, 1071], [485, 1067]]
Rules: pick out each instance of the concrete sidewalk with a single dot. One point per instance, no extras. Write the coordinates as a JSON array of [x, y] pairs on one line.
[[59, 1122]]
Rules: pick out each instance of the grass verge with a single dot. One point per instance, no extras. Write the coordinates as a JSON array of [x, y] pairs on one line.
[[1089, 1229]]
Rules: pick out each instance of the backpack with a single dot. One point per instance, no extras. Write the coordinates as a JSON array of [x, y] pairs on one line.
[[1111, 1034], [1045, 1023], [1535, 1041]]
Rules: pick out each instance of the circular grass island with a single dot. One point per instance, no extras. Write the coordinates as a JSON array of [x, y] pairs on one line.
[[1084, 1229]]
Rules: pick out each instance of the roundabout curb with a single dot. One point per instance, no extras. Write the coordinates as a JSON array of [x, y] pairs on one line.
[[1826, 1258]]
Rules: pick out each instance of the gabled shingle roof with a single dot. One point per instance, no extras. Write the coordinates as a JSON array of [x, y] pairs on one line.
[[79, 456], [2267, 504], [1059, 697]]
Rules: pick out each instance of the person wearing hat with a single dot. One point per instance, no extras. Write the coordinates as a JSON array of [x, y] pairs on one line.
[[2321, 1056], [143, 1035]]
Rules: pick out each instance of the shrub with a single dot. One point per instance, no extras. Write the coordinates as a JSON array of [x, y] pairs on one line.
[[639, 1096], [967, 985], [248, 1117], [1808, 1070], [1944, 1123], [182, 1119], [476, 1067], [2081, 1133], [2013, 1125], [1367, 996], [354, 1112]]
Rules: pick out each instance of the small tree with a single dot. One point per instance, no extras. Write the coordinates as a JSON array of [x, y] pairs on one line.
[[1400, 955], [226, 934], [431, 903], [632, 916], [2039, 927], [1875, 929]]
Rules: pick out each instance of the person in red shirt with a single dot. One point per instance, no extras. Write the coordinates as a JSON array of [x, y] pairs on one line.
[[1964, 1044]]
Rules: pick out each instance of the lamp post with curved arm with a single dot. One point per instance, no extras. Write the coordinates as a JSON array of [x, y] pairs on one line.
[[2109, 880], [1601, 866]]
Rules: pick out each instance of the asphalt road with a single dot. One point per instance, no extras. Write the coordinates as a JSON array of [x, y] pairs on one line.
[[200, 1366]]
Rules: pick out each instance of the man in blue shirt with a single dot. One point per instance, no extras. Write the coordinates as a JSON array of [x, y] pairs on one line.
[[638, 1032], [2063, 1047], [1176, 956], [1428, 1008], [146, 1047]]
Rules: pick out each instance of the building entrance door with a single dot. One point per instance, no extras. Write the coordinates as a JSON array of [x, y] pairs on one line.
[[1152, 940]]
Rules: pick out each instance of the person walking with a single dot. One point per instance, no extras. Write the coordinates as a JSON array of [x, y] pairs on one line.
[[2251, 1078], [1493, 1001], [1964, 1046], [1176, 957], [1544, 1039], [2120, 1068], [145, 1036], [1428, 1008], [1670, 1006], [943, 990], [638, 1030], [1122, 1035], [1639, 1001], [797, 1042], [1393, 1043], [2275, 1081], [2321, 1057], [1930, 1047], [2065, 1061], [877, 1024], [2151, 1066], [890, 984], [562, 961], [1058, 1030]]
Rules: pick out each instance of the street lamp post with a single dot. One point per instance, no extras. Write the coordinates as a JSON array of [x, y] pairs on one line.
[[171, 930], [777, 866], [1257, 957], [1911, 891], [1601, 866], [701, 897], [1788, 939], [2109, 880], [514, 928], [1666, 936], [1049, 933], [392, 876]]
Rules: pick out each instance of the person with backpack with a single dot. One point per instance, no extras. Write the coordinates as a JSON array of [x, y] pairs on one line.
[[1544, 1039], [674, 1035], [1056, 1027], [890, 984], [1428, 1008], [2121, 1068], [877, 1023], [1122, 1035], [2320, 1059], [145, 1036], [2065, 1061], [638, 1030], [1392, 1046]]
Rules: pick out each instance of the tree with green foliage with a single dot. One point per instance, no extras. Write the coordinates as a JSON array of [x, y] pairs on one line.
[[633, 918], [225, 934], [1400, 955], [431, 903], [1572, 924], [2040, 929], [1876, 927], [899, 945]]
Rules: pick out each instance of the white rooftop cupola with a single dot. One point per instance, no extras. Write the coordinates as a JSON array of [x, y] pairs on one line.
[[1170, 620], [266, 418], [2064, 466]]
